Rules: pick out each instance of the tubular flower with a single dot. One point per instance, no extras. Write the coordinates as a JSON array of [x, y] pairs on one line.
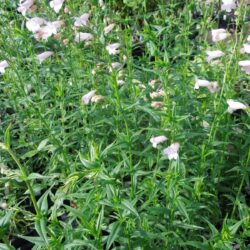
[[246, 48], [82, 20], [113, 48], [87, 98], [219, 35], [158, 139], [24, 6], [172, 151], [56, 5], [81, 36], [234, 105], [211, 86], [41, 57], [228, 5], [3, 65], [214, 55], [245, 66], [108, 28]]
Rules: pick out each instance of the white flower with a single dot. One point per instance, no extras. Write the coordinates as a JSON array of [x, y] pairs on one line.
[[81, 36], [246, 48], [214, 54], [56, 5], [219, 35], [82, 20], [24, 6], [158, 139], [35, 23], [211, 86], [245, 66], [248, 38], [108, 28], [233, 106], [113, 48], [41, 57], [3, 205], [172, 151], [228, 5], [101, 3], [205, 124], [3, 65], [120, 82], [87, 98]]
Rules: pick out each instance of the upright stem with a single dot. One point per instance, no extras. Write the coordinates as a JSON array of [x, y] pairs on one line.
[[25, 177]]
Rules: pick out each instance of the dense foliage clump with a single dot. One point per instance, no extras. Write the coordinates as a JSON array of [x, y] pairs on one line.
[[124, 124]]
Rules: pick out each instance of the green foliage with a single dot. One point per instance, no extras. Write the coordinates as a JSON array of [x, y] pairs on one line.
[[76, 176]]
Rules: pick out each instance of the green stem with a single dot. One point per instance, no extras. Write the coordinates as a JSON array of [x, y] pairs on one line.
[[25, 177]]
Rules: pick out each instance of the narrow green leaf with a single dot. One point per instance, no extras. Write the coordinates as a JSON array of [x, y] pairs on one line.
[[40, 226], [43, 203], [99, 220], [128, 205], [4, 247], [115, 229], [42, 144], [7, 136], [4, 221], [182, 208], [38, 241], [30, 154]]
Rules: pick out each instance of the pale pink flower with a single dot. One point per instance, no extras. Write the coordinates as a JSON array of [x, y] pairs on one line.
[[172, 151], [228, 5], [44, 33], [157, 94], [214, 55], [48, 30], [66, 10], [108, 28], [246, 48], [113, 48], [82, 20], [56, 25], [35, 23], [87, 98], [245, 66], [3, 65], [158, 139], [25, 6], [65, 41], [56, 5], [81, 36], [152, 83], [156, 104], [97, 98], [234, 105], [41, 57], [219, 35], [211, 86]]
